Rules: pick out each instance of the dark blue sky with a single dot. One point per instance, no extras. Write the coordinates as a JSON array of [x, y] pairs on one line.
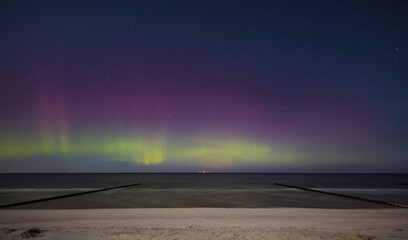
[[192, 85]]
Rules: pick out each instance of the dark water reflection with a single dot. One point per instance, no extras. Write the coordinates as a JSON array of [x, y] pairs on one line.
[[202, 190]]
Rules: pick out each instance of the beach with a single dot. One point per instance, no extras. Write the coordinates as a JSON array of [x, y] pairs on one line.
[[203, 206], [205, 223]]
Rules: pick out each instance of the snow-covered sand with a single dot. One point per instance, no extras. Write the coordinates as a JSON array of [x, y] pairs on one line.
[[206, 223]]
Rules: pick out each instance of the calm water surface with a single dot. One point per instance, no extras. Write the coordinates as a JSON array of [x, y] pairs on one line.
[[202, 190]]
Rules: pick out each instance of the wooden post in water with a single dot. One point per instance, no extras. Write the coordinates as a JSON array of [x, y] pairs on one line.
[[64, 196], [345, 196]]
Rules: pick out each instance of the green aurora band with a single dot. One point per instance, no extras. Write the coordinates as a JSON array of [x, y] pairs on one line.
[[213, 152]]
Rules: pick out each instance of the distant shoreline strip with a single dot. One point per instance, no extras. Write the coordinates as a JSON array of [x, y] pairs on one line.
[[65, 196], [345, 196]]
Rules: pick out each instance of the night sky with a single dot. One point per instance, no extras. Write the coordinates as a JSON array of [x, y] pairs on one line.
[[144, 86]]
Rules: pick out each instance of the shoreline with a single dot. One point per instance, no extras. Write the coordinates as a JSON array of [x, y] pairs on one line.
[[207, 223]]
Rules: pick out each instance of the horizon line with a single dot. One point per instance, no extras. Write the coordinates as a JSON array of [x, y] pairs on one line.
[[203, 172]]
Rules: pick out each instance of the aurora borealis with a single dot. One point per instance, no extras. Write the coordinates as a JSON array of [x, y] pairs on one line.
[[99, 86]]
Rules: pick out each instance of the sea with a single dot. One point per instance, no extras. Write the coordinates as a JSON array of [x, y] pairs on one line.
[[193, 190]]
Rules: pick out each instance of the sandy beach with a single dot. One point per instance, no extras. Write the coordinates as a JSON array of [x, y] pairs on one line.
[[205, 223]]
